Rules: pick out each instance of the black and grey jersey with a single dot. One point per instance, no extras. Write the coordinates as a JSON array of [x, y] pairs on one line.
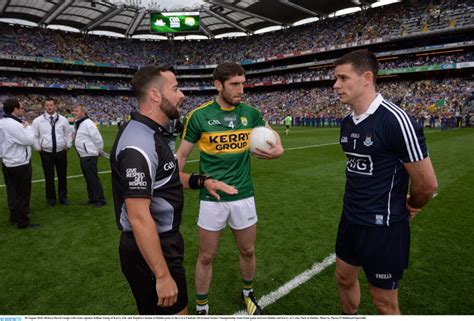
[[376, 147], [143, 166]]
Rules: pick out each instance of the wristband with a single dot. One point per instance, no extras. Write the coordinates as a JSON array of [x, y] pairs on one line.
[[196, 181]]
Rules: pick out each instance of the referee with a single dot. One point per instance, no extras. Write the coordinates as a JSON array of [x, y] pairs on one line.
[[17, 139], [53, 139], [148, 196]]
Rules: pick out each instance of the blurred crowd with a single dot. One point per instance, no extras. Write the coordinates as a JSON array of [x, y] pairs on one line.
[[422, 98], [390, 21]]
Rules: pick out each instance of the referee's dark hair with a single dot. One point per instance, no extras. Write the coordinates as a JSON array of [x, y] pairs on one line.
[[10, 104], [147, 75], [361, 60], [227, 70], [49, 99]]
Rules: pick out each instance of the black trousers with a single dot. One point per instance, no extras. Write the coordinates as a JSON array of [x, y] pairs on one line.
[[20, 182], [49, 161], [10, 194], [90, 172]]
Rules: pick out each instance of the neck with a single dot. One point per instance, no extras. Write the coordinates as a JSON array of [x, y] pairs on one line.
[[154, 113], [223, 103], [362, 105]]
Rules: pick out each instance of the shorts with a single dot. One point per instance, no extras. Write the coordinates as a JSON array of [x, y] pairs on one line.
[[287, 126], [381, 251], [142, 280], [240, 214]]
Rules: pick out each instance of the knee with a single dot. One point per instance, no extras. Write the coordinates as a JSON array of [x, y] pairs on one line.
[[385, 305], [248, 251], [206, 258], [344, 281]]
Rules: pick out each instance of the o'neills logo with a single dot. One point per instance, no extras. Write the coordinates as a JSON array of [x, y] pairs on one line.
[[224, 142]]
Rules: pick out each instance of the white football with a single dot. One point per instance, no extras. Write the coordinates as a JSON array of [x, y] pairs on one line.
[[259, 137]]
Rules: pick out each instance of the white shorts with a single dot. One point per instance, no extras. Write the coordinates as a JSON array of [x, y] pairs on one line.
[[240, 214]]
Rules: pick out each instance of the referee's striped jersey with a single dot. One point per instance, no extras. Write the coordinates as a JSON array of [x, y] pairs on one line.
[[376, 146]]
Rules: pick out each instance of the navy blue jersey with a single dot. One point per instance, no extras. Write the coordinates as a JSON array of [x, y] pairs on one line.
[[376, 146]]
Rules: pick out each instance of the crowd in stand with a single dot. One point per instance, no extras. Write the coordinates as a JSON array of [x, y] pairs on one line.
[[305, 105], [388, 21]]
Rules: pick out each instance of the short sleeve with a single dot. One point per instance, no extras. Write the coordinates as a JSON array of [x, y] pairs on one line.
[[258, 119], [407, 139], [192, 132], [136, 173]]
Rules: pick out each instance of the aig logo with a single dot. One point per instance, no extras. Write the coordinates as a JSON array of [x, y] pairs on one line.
[[168, 166], [360, 164]]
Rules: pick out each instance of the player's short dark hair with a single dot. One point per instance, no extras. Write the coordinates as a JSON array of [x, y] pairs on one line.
[[227, 70], [10, 104], [361, 60], [146, 76]]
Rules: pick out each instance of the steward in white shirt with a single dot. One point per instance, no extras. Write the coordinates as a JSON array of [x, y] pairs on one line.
[[53, 139], [89, 145], [17, 139]]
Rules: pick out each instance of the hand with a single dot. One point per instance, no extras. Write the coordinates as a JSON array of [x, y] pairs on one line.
[[25, 123], [412, 211], [213, 186], [166, 290], [273, 152]]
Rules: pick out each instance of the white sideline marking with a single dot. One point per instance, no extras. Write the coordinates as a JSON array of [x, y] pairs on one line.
[[294, 283], [196, 160]]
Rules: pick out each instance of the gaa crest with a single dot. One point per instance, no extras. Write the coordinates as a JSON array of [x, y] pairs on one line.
[[244, 121]]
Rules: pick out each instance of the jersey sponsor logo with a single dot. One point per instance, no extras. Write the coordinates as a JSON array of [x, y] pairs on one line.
[[168, 166], [138, 178], [355, 135], [360, 164], [382, 276], [368, 141], [224, 142], [344, 139], [244, 121]]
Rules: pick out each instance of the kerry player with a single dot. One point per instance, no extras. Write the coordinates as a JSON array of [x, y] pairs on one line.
[[221, 129]]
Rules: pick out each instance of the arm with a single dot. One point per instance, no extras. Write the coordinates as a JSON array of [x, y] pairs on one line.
[[68, 133], [36, 133], [211, 185], [275, 151], [23, 135], [96, 138], [148, 242], [423, 185]]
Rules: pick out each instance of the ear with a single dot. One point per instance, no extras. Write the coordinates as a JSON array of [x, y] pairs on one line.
[[218, 85], [368, 77], [155, 95]]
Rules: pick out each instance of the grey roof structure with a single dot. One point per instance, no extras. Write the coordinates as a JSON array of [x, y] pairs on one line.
[[217, 16]]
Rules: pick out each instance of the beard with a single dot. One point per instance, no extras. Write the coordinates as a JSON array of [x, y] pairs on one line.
[[170, 111], [229, 99]]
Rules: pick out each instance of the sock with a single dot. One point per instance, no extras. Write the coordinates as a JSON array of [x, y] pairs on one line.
[[202, 302], [247, 287]]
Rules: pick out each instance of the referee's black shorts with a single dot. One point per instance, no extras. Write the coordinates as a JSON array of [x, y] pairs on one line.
[[142, 280], [381, 251]]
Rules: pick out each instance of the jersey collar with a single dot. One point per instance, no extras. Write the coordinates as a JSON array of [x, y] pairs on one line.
[[372, 109], [149, 122]]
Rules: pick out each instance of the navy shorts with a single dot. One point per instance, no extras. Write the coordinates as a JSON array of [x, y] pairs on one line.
[[142, 280], [381, 251]]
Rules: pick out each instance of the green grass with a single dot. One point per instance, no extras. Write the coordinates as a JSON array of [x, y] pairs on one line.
[[70, 264]]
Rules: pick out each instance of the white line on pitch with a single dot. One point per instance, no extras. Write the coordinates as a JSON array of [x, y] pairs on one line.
[[196, 160], [286, 288]]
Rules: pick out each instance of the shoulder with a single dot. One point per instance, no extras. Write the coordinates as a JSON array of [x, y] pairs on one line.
[[394, 115], [203, 108]]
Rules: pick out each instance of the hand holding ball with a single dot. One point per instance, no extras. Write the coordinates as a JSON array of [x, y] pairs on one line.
[[259, 137]]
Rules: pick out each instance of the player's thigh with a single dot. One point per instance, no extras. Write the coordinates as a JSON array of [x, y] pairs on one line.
[[213, 216], [245, 239], [243, 213], [346, 273]]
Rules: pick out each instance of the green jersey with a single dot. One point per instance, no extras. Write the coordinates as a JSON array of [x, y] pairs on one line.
[[287, 120], [222, 136]]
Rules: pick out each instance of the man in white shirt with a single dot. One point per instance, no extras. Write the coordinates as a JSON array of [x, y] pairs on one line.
[[89, 145], [53, 139], [17, 139]]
